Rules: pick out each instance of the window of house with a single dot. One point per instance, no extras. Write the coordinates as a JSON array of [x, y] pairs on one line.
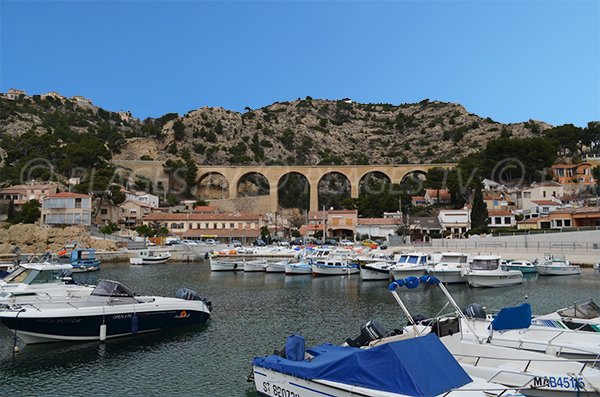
[[103, 211], [497, 220], [559, 223], [526, 194], [507, 220], [78, 203], [545, 209], [544, 193], [567, 223]]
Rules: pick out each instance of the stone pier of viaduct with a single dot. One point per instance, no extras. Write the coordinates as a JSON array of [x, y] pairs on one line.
[[276, 174]]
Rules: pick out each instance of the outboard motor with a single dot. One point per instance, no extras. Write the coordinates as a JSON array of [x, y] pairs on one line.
[[191, 295], [370, 331], [474, 310], [419, 319]]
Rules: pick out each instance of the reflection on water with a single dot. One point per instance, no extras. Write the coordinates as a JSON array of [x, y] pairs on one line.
[[253, 314]]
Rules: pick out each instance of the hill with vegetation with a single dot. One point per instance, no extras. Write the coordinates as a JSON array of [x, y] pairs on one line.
[[53, 137]]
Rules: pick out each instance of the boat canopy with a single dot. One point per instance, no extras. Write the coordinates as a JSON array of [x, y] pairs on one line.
[[403, 367], [413, 259], [517, 317], [112, 289]]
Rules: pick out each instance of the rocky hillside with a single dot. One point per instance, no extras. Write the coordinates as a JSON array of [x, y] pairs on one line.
[[308, 131]]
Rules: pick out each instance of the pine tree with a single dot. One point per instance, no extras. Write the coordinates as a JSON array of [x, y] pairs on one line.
[[479, 212]]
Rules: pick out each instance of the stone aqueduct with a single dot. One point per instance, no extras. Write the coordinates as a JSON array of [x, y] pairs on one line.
[[274, 174]]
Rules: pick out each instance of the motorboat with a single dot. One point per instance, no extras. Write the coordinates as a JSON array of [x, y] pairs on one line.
[[150, 257], [524, 267], [276, 267], [225, 265], [333, 266], [395, 369], [583, 315], [411, 264], [554, 265], [111, 310], [450, 268], [84, 260], [486, 271], [257, 265], [298, 268], [533, 373], [373, 271], [40, 282]]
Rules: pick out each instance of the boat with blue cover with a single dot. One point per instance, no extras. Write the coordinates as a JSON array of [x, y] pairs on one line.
[[111, 310], [84, 260], [538, 374], [396, 369]]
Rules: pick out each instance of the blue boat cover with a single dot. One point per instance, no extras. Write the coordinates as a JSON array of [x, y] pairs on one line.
[[419, 366], [516, 317], [294, 348]]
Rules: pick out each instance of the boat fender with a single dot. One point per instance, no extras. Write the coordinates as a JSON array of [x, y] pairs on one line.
[[206, 256], [134, 324], [102, 332], [552, 351], [235, 265]]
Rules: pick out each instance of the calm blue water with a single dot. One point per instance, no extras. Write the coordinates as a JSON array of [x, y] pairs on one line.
[[253, 313]]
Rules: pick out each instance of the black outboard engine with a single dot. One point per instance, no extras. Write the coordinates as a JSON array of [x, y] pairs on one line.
[[191, 295], [370, 331], [419, 319], [474, 310]]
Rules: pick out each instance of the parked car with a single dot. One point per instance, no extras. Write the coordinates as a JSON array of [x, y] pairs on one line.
[[172, 241], [331, 241], [347, 243], [297, 241], [236, 243], [259, 243], [210, 241]]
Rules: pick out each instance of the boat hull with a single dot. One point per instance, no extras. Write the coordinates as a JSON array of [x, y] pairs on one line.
[[295, 269], [544, 270], [225, 266], [276, 267], [87, 328], [369, 273], [523, 269], [405, 271], [323, 271], [453, 276], [484, 280], [255, 266]]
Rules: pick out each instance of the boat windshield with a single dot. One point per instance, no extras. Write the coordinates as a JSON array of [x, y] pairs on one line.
[[485, 264], [412, 259], [18, 275], [453, 259], [112, 288], [587, 309]]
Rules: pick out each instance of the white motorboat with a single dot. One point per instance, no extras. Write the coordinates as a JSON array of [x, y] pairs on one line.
[[412, 264], [584, 315], [375, 271], [554, 265], [450, 268], [533, 373], [276, 267], [521, 265], [222, 265], [40, 282], [111, 310], [257, 265], [486, 271], [396, 369], [298, 268], [333, 266], [150, 257]]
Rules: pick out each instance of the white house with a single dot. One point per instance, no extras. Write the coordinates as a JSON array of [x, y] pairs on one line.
[[457, 222], [501, 218], [143, 197], [537, 191], [377, 227]]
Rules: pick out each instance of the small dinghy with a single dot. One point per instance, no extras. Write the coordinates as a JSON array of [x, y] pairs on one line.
[[150, 257]]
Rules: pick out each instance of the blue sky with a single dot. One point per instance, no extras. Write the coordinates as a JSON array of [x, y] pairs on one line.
[[508, 60]]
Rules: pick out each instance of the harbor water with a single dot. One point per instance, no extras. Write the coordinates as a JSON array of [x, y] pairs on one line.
[[253, 314]]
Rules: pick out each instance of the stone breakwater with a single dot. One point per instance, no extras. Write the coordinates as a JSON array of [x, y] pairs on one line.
[[34, 239]]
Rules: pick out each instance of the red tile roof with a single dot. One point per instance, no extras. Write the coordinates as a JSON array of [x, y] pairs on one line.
[[499, 213], [208, 233], [185, 216], [545, 202], [68, 195], [379, 221]]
